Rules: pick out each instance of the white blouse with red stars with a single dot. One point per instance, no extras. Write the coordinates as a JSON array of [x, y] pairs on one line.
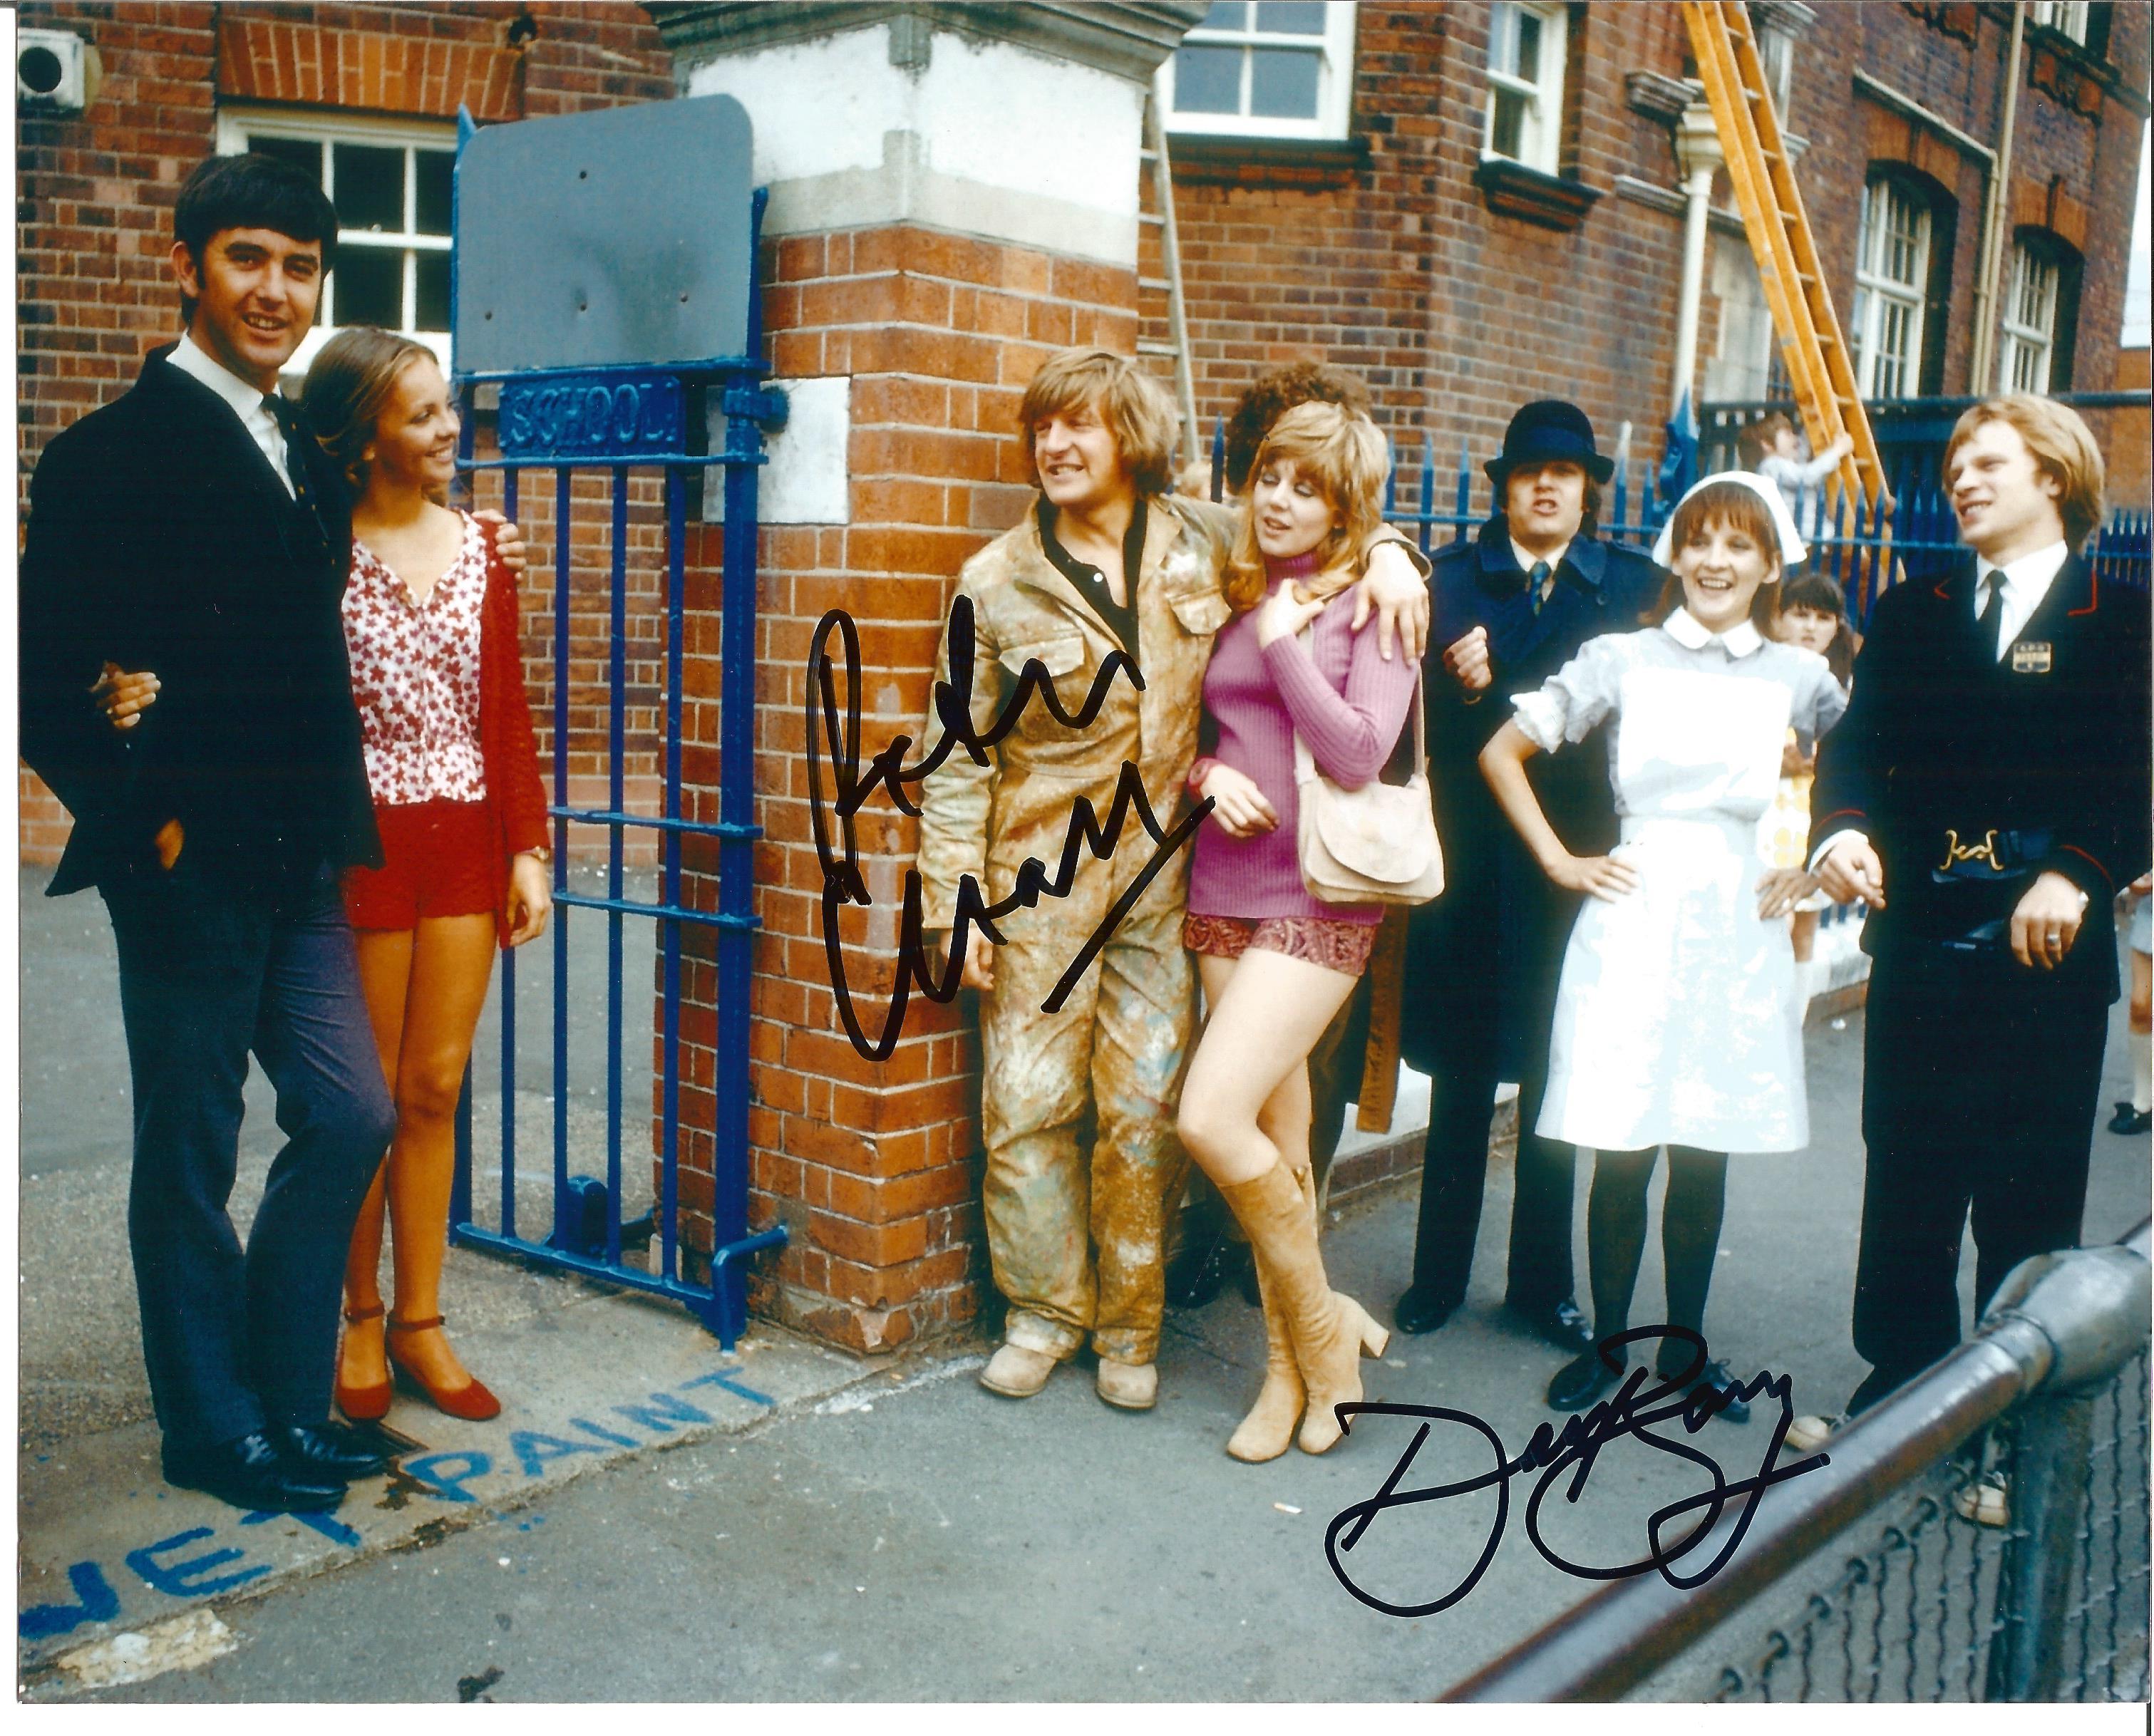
[[414, 674]]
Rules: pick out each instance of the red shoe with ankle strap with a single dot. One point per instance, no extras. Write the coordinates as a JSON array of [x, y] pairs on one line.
[[361, 1404], [470, 1402]]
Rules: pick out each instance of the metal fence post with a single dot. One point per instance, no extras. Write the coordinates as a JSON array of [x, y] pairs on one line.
[[2049, 1492]]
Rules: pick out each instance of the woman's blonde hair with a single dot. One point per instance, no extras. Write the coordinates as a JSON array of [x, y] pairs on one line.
[[1341, 451], [1133, 403], [2063, 447], [350, 383]]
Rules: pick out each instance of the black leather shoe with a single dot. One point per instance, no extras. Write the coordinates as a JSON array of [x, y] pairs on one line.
[[254, 1473], [2128, 1121], [1717, 1378], [1199, 1273], [1560, 1324], [1577, 1384], [330, 1449], [1421, 1310]]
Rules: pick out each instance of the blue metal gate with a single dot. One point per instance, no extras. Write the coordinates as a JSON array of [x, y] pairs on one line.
[[616, 421]]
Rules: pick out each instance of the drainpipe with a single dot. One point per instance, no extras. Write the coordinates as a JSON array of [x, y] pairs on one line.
[[1699, 155], [1981, 365]]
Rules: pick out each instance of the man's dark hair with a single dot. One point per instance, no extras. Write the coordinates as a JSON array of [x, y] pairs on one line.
[[1271, 397], [251, 191]]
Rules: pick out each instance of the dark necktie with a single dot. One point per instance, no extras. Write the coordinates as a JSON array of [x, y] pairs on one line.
[[1992, 611], [287, 424], [1537, 583]]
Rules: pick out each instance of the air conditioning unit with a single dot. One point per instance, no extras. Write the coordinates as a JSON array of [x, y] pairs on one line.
[[56, 71]]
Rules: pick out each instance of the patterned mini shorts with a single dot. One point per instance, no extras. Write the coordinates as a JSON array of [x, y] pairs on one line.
[[1341, 946]]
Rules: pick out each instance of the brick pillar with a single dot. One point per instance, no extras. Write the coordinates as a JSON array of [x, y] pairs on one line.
[[931, 237]]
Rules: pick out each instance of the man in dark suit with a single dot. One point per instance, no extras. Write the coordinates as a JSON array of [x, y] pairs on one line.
[[188, 529], [1512, 607], [1987, 794]]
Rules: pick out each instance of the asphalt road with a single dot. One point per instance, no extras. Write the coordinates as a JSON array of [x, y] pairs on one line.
[[914, 1539]]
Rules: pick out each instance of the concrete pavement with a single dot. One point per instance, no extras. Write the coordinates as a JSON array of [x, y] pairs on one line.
[[652, 1519]]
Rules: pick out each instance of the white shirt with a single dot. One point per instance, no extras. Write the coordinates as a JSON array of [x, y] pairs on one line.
[[2027, 581], [248, 403]]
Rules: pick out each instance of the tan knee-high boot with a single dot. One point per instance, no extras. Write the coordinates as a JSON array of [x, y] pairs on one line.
[[1330, 1331], [1269, 1428]]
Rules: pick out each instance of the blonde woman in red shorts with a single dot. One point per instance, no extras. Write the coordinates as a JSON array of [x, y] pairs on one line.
[[430, 624]]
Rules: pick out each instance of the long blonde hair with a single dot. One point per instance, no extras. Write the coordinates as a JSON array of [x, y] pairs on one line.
[[1343, 453], [350, 384]]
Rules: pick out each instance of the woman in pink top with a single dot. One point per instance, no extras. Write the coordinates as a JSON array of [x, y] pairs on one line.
[[1277, 963]]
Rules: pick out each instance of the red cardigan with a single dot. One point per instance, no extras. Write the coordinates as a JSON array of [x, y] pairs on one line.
[[515, 797]]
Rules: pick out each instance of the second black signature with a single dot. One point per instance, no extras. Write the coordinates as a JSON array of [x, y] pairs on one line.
[[1640, 1408]]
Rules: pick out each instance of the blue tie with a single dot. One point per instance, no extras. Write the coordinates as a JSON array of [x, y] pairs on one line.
[[1536, 583]]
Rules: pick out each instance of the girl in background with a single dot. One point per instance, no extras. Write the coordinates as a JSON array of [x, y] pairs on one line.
[[1814, 618]]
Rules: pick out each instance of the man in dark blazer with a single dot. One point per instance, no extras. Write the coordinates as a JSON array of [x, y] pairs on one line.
[[1512, 607], [188, 529], [1987, 794]]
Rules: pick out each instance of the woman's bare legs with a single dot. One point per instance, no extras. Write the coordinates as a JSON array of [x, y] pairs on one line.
[[1245, 1118], [1265, 1012], [384, 969], [424, 989]]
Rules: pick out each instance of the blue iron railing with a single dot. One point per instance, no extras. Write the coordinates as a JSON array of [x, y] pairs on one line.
[[610, 420], [1863, 549]]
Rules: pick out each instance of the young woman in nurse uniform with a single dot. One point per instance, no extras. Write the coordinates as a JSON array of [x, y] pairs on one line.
[[1675, 1023]]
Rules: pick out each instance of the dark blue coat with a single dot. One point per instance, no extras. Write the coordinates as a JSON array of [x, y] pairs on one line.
[[161, 538], [2040, 758], [1491, 947]]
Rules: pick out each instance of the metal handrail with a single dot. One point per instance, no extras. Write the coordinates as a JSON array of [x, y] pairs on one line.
[[2061, 1322]]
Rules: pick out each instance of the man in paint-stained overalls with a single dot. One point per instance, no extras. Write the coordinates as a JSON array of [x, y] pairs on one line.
[[1108, 562]]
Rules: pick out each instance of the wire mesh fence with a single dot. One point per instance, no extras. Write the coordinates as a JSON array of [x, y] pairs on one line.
[[1982, 1535], [1920, 1604]]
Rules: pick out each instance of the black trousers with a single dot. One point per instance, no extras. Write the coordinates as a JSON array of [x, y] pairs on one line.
[[1455, 1172], [210, 969], [1978, 1097]]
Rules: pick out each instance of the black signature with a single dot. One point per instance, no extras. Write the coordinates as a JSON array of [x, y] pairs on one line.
[[1634, 1411], [838, 734]]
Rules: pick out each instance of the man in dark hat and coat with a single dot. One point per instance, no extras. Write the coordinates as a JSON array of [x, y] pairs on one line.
[[1512, 607]]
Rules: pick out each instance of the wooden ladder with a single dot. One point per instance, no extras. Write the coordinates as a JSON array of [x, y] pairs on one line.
[[1161, 216], [1819, 363]]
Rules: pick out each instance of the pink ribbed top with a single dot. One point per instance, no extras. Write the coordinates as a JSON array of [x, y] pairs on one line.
[[1349, 704]]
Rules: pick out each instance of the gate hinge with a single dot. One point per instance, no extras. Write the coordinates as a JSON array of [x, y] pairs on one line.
[[764, 405]]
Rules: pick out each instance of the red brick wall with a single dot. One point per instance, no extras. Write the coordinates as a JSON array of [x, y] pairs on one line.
[[1455, 315], [869, 1163], [94, 191]]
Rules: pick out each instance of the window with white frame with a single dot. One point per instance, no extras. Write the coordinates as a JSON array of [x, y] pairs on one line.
[[2069, 16], [1263, 68], [2031, 323], [1892, 281], [389, 183], [1526, 49]]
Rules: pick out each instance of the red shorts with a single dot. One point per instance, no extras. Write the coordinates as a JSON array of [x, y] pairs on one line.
[[1337, 946], [439, 859]]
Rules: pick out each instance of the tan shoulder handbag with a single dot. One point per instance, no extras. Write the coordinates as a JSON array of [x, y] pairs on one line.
[[1376, 845]]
